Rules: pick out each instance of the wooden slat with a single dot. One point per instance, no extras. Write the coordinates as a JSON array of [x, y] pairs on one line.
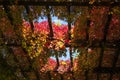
[[107, 70], [59, 3], [104, 39], [9, 15], [117, 53], [82, 43]]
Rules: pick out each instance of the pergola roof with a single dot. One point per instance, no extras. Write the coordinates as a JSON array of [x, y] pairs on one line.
[[111, 44]]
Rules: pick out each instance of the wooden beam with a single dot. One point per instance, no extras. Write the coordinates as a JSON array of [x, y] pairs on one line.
[[49, 75], [106, 70], [57, 60], [69, 35], [105, 35], [30, 20], [69, 38], [116, 56], [61, 77], [104, 39], [9, 15], [88, 23], [50, 23], [69, 23], [82, 43], [19, 66], [59, 3], [36, 72]]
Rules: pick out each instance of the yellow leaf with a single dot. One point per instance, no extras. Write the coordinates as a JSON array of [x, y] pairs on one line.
[[63, 62], [91, 1]]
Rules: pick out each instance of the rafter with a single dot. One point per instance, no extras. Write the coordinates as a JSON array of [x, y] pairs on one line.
[[105, 35], [104, 39], [9, 15], [107, 70], [69, 38], [116, 56], [82, 43], [98, 44], [50, 23], [55, 3], [30, 20]]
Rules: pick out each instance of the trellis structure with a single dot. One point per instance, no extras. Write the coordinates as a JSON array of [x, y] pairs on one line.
[[112, 44]]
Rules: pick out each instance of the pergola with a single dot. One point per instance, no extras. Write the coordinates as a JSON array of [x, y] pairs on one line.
[[101, 44]]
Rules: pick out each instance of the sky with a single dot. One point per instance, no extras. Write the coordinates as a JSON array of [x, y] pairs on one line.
[[54, 19]]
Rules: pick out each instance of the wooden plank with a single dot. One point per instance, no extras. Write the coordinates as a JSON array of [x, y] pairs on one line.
[[58, 3], [106, 70]]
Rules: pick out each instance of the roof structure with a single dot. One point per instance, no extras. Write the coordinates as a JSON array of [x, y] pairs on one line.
[[109, 48]]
